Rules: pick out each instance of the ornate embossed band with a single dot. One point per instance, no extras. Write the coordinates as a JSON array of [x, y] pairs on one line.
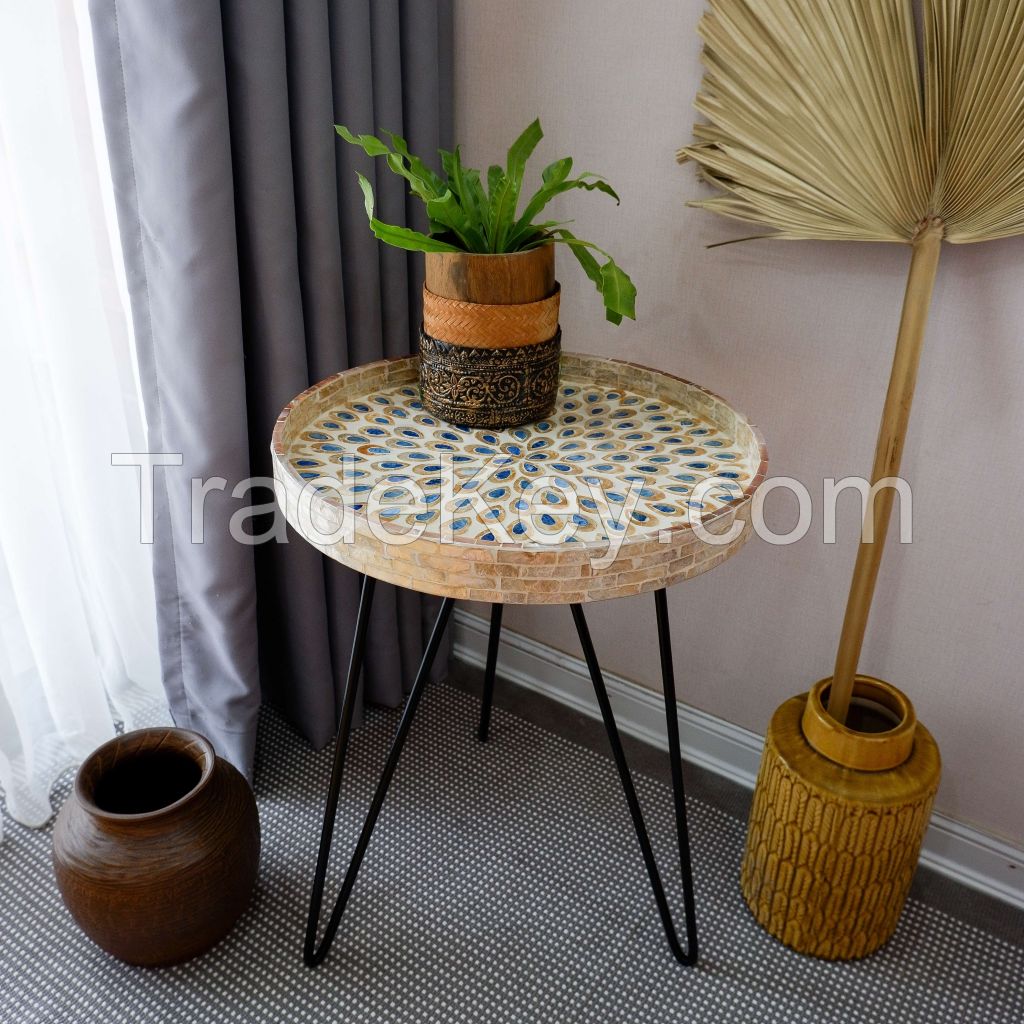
[[489, 387]]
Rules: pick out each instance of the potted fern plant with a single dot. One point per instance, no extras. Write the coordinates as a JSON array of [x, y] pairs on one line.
[[490, 341]]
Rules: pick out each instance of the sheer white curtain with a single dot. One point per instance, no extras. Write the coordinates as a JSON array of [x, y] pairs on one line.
[[78, 647]]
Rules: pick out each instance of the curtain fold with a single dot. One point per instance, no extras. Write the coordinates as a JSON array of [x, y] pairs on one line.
[[252, 274], [78, 636]]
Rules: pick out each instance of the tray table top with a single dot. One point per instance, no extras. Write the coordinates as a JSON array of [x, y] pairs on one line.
[[630, 485]]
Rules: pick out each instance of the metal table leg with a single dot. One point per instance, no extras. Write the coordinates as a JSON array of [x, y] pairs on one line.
[[686, 956], [313, 954], [492, 662]]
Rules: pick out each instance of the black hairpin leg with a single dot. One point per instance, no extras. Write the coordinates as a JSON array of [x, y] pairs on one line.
[[313, 954], [492, 662], [686, 956]]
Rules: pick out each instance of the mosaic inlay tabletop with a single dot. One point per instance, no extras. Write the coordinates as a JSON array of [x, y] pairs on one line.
[[629, 458]]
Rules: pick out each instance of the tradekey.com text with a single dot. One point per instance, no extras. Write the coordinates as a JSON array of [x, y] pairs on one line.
[[543, 511]]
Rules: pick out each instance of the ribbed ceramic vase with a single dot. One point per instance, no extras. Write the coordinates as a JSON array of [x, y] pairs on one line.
[[157, 848], [837, 821], [490, 343]]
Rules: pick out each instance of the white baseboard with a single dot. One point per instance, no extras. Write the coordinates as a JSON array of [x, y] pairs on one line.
[[952, 848]]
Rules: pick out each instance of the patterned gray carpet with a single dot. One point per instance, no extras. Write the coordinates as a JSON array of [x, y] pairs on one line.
[[504, 885]]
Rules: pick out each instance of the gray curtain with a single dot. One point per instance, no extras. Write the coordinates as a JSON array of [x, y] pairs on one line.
[[252, 274]]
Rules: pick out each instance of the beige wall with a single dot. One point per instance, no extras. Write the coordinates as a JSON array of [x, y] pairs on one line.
[[798, 336]]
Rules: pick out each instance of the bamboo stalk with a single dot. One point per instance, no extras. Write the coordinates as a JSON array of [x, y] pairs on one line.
[[888, 455]]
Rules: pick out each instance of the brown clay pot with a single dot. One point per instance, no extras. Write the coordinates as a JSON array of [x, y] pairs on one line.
[[490, 343], [157, 848]]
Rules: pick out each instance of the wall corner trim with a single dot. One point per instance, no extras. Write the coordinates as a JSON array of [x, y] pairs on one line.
[[953, 848]]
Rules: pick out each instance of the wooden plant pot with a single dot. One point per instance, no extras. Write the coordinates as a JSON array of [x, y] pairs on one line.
[[490, 342], [157, 848], [837, 821]]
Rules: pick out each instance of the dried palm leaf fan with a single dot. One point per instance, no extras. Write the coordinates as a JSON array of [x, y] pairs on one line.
[[826, 121]]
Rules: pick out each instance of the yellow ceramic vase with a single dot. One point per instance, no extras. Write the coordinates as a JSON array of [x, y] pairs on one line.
[[838, 817]]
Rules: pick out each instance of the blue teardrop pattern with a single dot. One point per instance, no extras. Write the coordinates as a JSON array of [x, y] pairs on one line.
[[606, 462]]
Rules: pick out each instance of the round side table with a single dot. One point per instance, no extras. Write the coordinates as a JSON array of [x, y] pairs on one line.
[[637, 480]]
